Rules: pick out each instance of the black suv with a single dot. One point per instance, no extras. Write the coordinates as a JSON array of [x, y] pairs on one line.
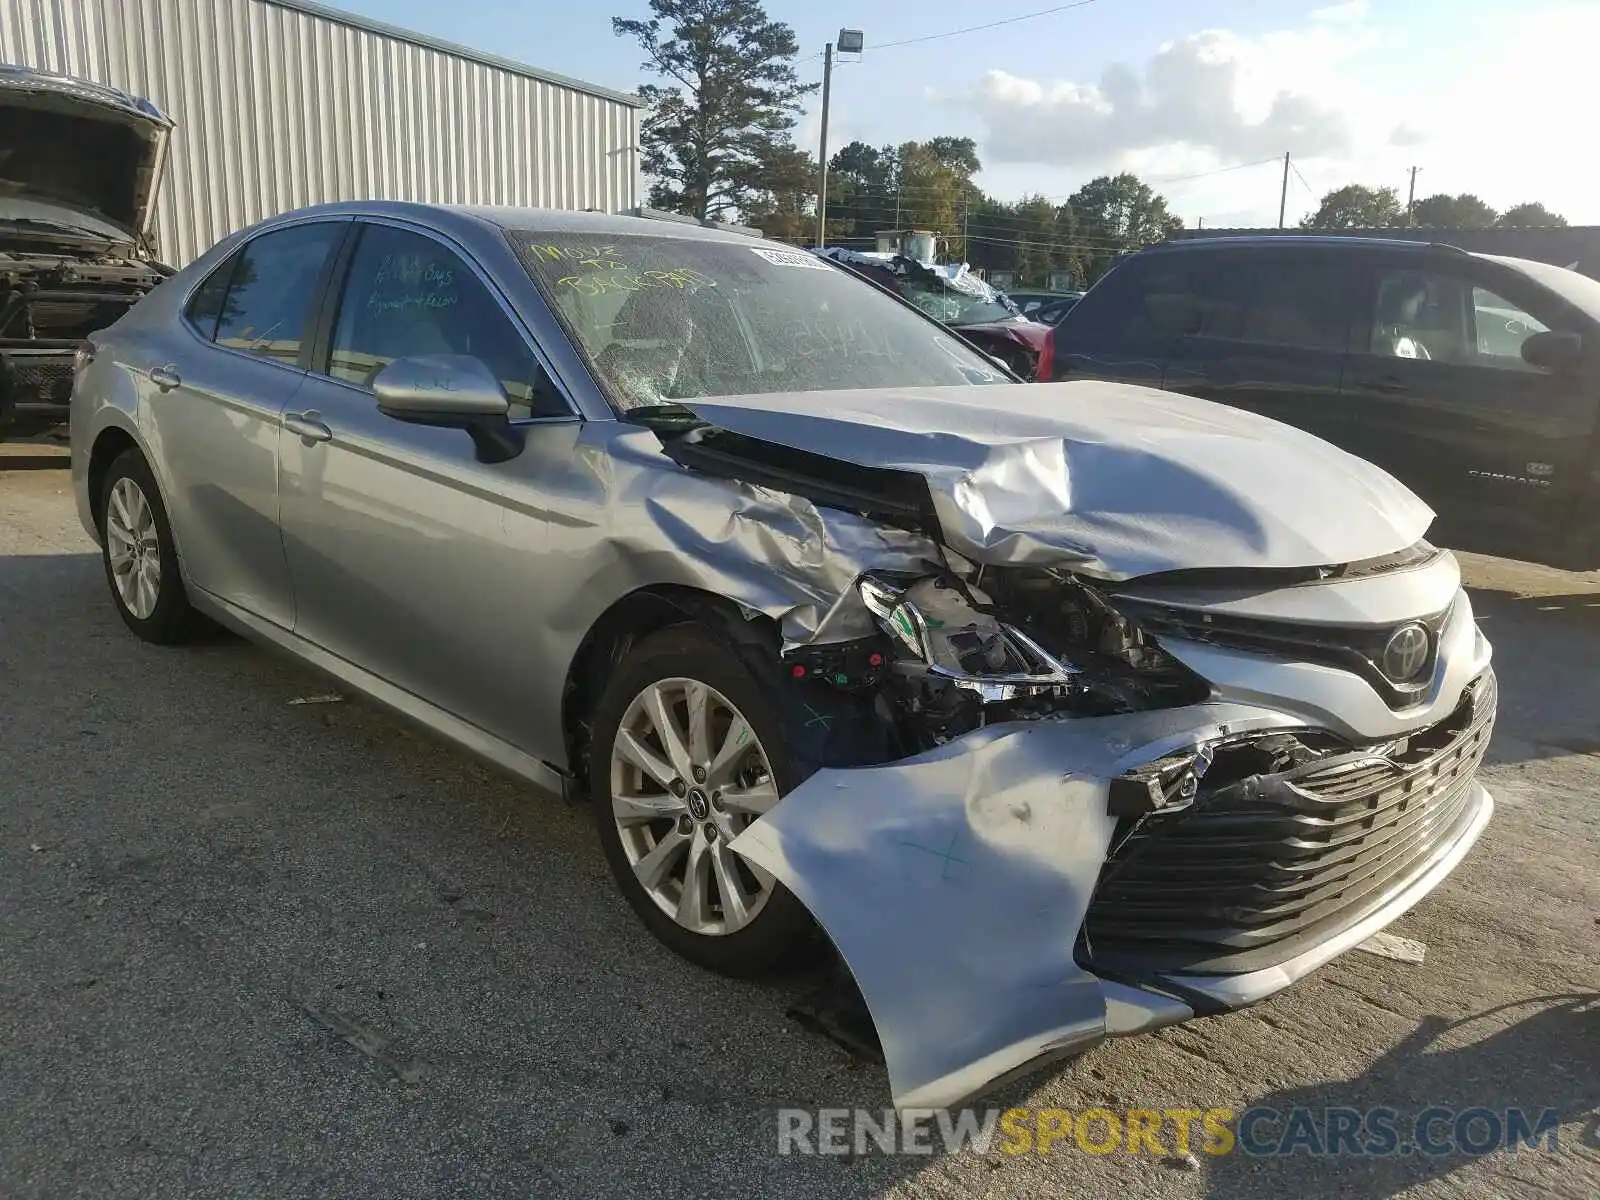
[[1474, 379]]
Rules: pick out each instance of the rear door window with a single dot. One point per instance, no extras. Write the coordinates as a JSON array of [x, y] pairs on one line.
[[272, 290]]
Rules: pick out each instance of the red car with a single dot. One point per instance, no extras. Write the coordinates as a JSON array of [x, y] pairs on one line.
[[963, 302]]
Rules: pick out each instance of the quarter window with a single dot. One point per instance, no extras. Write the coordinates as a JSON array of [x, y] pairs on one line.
[[407, 295], [271, 289]]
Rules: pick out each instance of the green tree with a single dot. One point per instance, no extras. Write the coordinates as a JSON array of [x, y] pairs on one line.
[[728, 113], [1530, 216], [1115, 214], [931, 194], [783, 200], [1465, 211], [960, 154], [1357, 207], [861, 189]]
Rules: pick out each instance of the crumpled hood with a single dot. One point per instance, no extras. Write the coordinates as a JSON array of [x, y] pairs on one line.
[[1108, 479], [80, 144]]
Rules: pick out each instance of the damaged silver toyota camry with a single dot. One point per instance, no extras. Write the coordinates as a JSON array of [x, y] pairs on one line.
[[1062, 711]]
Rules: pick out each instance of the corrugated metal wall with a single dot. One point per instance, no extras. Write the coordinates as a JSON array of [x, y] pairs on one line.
[[279, 108]]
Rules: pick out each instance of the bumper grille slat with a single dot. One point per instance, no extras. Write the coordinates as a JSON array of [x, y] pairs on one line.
[[1256, 871]]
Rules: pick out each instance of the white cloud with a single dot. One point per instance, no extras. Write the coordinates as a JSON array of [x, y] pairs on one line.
[[1341, 14], [1483, 105], [1232, 98]]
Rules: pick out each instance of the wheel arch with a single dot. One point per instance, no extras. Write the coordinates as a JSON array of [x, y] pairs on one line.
[[638, 614], [109, 444]]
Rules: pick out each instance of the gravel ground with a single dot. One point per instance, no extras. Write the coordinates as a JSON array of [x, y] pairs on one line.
[[256, 948]]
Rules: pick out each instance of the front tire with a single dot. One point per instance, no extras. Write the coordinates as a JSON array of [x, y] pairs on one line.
[[140, 556], [687, 752]]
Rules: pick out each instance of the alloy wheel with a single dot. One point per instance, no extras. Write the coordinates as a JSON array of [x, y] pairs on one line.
[[133, 547], [688, 775]]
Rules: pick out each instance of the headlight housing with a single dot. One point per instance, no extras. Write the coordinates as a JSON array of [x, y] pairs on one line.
[[945, 627]]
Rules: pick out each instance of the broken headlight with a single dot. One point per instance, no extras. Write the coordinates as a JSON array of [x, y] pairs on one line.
[[948, 628]]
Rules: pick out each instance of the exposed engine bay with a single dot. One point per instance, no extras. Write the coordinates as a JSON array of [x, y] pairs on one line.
[[956, 653], [49, 302], [80, 165]]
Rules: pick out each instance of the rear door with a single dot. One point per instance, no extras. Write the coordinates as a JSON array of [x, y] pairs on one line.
[[1437, 382], [1119, 329], [217, 392], [1268, 333]]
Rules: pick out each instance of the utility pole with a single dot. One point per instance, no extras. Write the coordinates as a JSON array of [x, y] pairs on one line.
[[1283, 196], [1411, 198], [822, 152]]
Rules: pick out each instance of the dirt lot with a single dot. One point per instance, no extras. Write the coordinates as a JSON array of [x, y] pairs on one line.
[[249, 947]]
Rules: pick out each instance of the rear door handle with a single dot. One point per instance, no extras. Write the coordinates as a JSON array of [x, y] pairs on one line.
[[1391, 386], [308, 425], [166, 378]]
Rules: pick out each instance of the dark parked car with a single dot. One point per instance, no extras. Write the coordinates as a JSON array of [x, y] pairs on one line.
[[1473, 378], [79, 167]]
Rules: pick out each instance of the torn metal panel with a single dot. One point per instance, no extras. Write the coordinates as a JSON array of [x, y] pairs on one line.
[[954, 884], [1109, 480], [773, 552]]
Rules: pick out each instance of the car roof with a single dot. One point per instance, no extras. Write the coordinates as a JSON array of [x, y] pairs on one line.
[[543, 220], [1293, 240]]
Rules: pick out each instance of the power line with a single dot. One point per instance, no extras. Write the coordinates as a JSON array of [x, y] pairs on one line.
[[1302, 180], [933, 37]]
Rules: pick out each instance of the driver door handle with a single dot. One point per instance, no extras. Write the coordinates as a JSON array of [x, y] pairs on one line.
[[308, 425]]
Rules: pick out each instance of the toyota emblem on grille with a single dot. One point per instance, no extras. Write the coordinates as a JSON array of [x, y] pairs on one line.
[[1406, 652]]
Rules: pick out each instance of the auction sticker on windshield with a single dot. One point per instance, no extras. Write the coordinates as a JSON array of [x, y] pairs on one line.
[[790, 258]]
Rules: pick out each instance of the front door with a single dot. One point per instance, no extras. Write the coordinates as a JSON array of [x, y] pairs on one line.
[[217, 391], [409, 557], [1497, 447]]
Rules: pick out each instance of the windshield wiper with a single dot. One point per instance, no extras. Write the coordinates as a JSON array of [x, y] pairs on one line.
[[663, 418]]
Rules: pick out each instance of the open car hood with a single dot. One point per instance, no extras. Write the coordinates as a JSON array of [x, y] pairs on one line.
[[81, 146], [1110, 480]]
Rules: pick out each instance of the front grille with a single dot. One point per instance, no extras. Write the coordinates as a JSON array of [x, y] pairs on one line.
[[1358, 649], [1267, 866]]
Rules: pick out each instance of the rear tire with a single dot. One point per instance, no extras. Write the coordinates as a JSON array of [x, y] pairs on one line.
[[667, 804], [140, 556]]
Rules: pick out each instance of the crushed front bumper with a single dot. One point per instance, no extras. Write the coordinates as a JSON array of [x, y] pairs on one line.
[[956, 887]]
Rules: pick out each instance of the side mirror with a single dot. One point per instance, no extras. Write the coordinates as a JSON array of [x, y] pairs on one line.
[[451, 391], [1554, 350]]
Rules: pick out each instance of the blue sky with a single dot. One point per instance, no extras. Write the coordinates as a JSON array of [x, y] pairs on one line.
[[1484, 97]]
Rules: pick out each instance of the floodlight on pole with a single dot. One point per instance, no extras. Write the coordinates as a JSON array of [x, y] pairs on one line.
[[850, 41]]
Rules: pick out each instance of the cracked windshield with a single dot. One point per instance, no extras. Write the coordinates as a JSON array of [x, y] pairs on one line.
[[664, 319]]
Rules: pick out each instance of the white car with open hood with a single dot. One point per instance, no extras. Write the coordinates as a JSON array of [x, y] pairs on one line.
[[1060, 711]]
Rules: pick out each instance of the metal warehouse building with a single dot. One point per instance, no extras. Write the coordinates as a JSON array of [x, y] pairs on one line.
[[282, 103]]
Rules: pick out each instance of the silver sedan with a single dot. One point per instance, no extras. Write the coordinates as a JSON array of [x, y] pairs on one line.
[[1060, 711]]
